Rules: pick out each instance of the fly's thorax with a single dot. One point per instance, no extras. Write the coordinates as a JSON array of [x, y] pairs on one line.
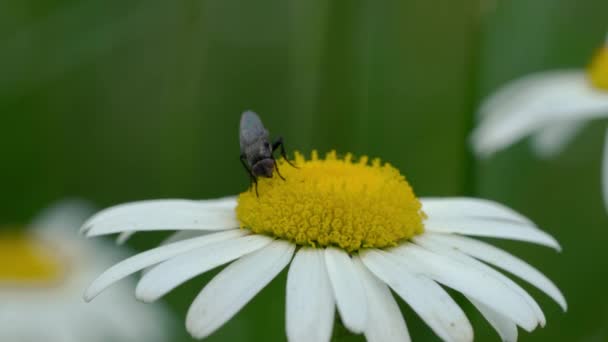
[[258, 150]]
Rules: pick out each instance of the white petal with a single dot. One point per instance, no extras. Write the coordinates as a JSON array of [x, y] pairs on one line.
[[162, 215], [146, 205], [385, 322], [348, 289], [427, 241], [179, 236], [605, 171], [235, 286], [427, 298], [124, 236], [552, 139], [310, 301], [166, 276], [469, 281], [152, 257], [228, 202], [450, 207], [498, 257], [184, 235], [506, 328], [490, 228], [535, 102]]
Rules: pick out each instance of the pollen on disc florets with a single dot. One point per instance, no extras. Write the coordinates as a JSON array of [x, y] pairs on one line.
[[598, 69], [333, 202]]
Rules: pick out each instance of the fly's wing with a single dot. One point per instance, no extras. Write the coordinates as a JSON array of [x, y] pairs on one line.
[[251, 129]]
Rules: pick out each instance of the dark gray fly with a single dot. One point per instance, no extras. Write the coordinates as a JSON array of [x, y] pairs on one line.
[[256, 150]]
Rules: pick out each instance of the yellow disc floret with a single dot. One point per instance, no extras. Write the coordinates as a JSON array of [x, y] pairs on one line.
[[333, 202], [598, 69], [25, 260]]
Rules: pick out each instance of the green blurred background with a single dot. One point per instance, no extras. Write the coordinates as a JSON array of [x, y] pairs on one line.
[[117, 101]]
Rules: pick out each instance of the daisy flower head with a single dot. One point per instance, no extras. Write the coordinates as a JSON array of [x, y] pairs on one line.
[[348, 230], [551, 106], [42, 272]]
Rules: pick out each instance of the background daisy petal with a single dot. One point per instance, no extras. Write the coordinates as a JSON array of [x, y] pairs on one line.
[[163, 278], [348, 289], [491, 228], [310, 301], [431, 302], [508, 262], [152, 257], [469, 281], [235, 286], [552, 139], [162, 215], [62, 217], [508, 93], [384, 319], [552, 97]]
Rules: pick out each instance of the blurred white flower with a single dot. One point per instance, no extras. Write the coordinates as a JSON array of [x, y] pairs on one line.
[[353, 230], [42, 272], [552, 106]]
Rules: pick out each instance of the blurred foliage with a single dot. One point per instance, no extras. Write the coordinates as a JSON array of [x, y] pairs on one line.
[[117, 101]]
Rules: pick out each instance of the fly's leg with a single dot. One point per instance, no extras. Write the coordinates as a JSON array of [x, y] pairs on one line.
[[276, 168], [253, 179], [279, 143]]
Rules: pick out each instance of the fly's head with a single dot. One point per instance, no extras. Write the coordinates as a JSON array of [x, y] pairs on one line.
[[263, 168]]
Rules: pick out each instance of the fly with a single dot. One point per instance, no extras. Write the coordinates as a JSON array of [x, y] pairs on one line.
[[256, 150]]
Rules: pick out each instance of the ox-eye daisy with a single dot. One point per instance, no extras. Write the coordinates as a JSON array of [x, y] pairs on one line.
[[42, 272], [552, 106], [349, 230]]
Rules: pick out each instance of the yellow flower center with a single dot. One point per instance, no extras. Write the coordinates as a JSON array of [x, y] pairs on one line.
[[333, 202], [598, 69], [25, 260]]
